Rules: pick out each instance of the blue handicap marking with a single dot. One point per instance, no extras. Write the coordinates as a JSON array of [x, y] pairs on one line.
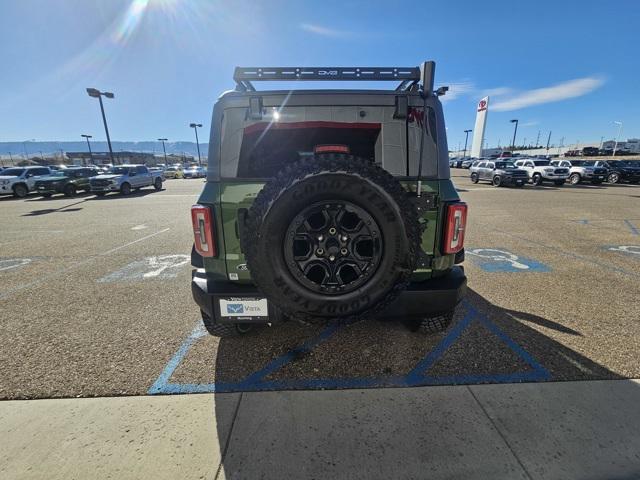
[[500, 260], [419, 375]]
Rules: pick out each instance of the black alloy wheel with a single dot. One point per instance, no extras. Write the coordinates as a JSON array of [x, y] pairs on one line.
[[333, 247]]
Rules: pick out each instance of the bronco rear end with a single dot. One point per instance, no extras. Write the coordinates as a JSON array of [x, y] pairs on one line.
[[328, 205]]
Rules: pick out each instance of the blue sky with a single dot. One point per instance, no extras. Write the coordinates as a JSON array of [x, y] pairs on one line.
[[567, 66]]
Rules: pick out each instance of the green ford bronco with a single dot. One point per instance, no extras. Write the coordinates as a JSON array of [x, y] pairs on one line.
[[328, 205]]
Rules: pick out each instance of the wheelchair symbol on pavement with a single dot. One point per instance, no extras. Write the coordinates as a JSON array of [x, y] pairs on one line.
[[498, 260]]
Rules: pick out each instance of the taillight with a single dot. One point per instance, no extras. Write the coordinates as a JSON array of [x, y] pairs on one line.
[[331, 149], [456, 224], [202, 221]]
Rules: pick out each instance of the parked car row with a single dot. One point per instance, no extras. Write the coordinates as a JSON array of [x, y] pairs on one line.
[[517, 172], [20, 181]]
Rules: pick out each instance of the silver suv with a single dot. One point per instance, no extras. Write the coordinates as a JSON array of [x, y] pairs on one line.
[[499, 173]]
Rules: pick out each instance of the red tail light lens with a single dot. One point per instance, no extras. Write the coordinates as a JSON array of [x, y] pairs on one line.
[[456, 225], [331, 149], [203, 234]]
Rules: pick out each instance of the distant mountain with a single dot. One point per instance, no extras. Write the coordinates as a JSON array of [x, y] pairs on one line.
[[48, 148]]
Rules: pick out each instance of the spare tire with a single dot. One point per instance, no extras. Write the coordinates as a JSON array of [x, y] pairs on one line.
[[333, 236]]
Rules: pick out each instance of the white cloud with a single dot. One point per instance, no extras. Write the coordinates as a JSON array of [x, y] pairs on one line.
[[457, 89], [497, 92], [323, 31], [555, 93], [531, 123]]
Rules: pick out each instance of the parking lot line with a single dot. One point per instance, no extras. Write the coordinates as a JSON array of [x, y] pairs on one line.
[[632, 227], [19, 288], [569, 254], [418, 376]]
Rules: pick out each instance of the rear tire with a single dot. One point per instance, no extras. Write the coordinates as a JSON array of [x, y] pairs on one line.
[[497, 181], [125, 189], [613, 178], [225, 330], [70, 191], [157, 184], [474, 177], [20, 190], [537, 179], [574, 178], [379, 214], [436, 324]]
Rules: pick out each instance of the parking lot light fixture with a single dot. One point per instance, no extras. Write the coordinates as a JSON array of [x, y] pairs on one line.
[[515, 131], [87, 137], [164, 150], [615, 145], [95, 93], [466, 137], [195, 127]]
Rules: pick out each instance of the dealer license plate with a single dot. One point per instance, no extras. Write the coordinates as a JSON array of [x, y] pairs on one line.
[[243, 307]]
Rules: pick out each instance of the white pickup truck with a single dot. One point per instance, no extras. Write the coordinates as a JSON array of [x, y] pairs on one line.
[[19, 181], [124, 179], [541, 170], [580, 170]]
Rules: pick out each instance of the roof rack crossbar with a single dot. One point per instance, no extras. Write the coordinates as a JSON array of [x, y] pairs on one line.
[[244, 75]]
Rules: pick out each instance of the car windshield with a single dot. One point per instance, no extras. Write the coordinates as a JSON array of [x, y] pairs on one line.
[[12, 172], [541, 163], [505, 165], [119, 170], [583, 163]]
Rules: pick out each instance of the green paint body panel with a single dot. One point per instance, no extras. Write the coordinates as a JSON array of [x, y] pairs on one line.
[[226, 198]]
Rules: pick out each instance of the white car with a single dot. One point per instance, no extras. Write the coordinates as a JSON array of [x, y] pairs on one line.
[[540, 170], [195, 172], [580, 170], [19, 181]]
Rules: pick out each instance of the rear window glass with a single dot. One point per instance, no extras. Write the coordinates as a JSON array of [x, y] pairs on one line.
[[261, 148]]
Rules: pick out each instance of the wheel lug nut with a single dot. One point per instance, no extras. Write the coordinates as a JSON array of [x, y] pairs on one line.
[[332, 258], [343, 251], [332, 231], [320, 251]]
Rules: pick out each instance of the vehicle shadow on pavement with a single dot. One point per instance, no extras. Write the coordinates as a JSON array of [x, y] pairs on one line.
[[278, 433], [133, 194], [63, 209]]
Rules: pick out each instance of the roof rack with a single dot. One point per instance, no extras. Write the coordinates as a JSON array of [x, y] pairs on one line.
[[408, 76]]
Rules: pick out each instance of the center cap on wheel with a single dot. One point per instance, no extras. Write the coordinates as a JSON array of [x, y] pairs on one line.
[[333, 247]]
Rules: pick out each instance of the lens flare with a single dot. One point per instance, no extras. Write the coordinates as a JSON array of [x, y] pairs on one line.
[[130, 21]]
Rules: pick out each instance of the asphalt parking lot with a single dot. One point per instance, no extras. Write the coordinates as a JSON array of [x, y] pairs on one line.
[[95, 301]]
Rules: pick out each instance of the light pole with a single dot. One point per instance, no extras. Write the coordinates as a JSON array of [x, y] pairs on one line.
[[515, 130], [89, 145], [615, 145], [466, 137], [195, 127], [98, 94], [24, 146], [548, 140], [164, 150]]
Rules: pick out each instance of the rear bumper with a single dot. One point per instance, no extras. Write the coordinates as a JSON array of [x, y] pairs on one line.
[[419, 300]]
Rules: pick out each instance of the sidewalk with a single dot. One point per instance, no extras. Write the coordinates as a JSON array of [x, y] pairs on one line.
[[531, 431]]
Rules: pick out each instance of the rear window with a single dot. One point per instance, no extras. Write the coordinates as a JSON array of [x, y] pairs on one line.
[[261, 148]]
